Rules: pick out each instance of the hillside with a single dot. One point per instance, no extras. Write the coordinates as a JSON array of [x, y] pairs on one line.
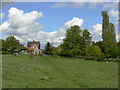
[[50, 72]]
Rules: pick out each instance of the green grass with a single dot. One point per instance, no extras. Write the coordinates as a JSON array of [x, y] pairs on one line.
[[50, 72], [0, 71]]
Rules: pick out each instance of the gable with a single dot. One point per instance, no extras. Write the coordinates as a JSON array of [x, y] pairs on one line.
[[29, 44]]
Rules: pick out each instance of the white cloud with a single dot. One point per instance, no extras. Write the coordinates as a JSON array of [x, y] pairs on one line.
[[21, 24], [97, 32], [111, 5], [118, 36], [24, 26], [74, 21], [60, 4], [93, 5], [2, 15], [69, 4], [77, 4], [81, 3], [114, 14], [57, 37]]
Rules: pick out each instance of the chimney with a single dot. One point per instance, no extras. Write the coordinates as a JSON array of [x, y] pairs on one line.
[[33, 40]]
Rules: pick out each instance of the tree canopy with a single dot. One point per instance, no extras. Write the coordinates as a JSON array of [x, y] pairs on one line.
[[76, 41], [11, 43]]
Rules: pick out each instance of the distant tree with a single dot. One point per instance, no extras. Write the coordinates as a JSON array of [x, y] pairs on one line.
[[48, 49], [11, 43], [112, 33], [105, 32], [94, 52], [76, 41], [55, 50], [2, 45], [113, 51], [100, 44], [108, 35], [87, 37], [118, 48]]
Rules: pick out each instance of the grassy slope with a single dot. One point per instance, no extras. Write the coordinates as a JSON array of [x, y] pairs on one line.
[[49, 72], [0, 71]]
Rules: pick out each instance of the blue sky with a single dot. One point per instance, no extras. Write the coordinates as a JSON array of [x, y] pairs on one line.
[[55, 17]]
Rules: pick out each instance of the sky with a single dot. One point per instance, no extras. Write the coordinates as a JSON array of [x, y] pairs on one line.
[[48, 21]]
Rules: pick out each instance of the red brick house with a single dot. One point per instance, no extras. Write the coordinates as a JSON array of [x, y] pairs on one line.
[[34, 46]]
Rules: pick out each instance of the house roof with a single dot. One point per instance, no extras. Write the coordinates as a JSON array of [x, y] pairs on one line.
[[21, 45], [37, 50], [31, 43]]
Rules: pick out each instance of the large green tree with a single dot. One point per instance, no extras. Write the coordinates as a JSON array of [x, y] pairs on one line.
[[87, 37], [11, 43], [119, 48], [112, 33], [48, 49], [76, 41], [108, 36]]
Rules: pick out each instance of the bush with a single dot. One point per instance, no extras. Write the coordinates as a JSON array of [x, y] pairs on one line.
[[94, 53], [5, 52]]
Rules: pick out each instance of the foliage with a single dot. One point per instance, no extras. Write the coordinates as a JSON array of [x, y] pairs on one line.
[[118, 48], [3, 45], [101, 45], [5, 52], [21, 47], [75, 43], [11, 43], [94, 52], [55, 50], [113, 51], [87, 37], [108, 36], [48, 49]]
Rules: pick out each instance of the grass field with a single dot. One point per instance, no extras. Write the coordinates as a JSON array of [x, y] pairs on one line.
[[50, 72]]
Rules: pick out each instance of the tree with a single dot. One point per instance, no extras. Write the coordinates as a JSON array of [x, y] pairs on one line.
[[94, 52], [11, 43], [108, 35], [113, 51], [87, 37], [2, 45], [100, 44], [118, 48], [112, 33], [74, 44], [48, 49], [105, 32]]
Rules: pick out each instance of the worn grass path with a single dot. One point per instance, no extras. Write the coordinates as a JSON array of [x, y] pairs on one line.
[[49, 72]]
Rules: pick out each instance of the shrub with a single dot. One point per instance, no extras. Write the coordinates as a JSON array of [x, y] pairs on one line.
[[94, 53], [5, 52]]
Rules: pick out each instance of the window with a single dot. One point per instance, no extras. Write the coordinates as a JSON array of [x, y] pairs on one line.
[[34, 46]]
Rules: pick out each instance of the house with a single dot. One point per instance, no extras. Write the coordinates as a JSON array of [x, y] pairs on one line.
[[16, 52], [34, 47], [23, 51], [20, 51]]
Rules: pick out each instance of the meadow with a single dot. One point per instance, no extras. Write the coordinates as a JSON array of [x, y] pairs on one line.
[[51, 72]]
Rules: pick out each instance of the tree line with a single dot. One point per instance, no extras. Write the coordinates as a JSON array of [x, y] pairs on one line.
[[78, 43], [10, 44]]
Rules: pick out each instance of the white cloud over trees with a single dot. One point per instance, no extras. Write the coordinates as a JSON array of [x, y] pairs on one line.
[[24, 26]]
